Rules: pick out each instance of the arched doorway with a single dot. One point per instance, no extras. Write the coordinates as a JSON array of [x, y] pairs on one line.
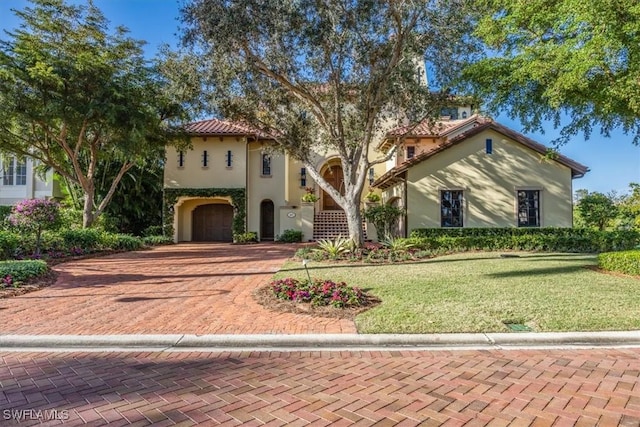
[[335, 177], [212, 223], [266, 220]]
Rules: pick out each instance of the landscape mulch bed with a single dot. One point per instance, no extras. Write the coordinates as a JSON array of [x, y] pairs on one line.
[[264, 296]]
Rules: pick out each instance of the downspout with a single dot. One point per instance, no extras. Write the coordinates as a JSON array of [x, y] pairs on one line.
[[406, 207], [246, 184]]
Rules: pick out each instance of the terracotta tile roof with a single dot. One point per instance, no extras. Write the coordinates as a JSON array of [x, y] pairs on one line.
[[391, 176], [436, 129], [220, 127]]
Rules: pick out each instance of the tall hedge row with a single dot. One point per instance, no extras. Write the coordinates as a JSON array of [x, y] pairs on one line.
[[533, 239]]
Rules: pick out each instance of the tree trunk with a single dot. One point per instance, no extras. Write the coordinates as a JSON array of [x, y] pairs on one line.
[[354, 221], [87, 212]]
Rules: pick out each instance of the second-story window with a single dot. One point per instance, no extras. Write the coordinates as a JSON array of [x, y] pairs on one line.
[[229, 157], [205, 159], [411, 151], [266, 164], [180, 159]]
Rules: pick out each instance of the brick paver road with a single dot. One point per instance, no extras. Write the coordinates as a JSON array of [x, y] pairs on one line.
[[474, 388], [187, 288]]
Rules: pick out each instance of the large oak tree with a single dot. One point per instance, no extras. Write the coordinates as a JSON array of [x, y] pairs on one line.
[[552, 60], [74, 93], [327, 75]]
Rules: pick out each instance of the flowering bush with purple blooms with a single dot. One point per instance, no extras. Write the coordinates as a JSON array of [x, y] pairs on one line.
[[318, 292], [36, 215]]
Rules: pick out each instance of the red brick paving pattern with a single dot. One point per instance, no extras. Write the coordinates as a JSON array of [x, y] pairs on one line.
[[452, 388], [187, 288]]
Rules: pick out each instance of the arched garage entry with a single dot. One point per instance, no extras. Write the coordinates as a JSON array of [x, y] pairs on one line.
[[212, 223]]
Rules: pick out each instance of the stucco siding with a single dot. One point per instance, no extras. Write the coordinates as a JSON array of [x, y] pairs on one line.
[[216, 174], [264, 187], [489, 183]]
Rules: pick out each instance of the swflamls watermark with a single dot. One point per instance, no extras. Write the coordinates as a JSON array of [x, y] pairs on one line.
[[35, 414]]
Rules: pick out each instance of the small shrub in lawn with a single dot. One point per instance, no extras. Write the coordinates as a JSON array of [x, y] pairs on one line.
[[318, 292], [290, 236], [14, 273], [336, 247], [627, 262], [157, 240]]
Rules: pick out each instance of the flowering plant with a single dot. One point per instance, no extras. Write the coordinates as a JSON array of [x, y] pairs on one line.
[[36, 215], [6, 281], [310, 195], [318, 292]]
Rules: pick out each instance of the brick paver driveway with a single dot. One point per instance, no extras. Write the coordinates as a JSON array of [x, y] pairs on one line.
[[474, 388], [186, 288]]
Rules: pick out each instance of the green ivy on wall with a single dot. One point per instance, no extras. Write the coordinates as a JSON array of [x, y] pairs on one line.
[[238, 202]]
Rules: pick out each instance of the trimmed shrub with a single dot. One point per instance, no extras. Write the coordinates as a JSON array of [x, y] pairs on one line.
[[13, 273], [530, 239], [157, 240], [120, 242], [9, 243], [152, 230], [248, 237], [627, 262], [89, 239], [290, 236]]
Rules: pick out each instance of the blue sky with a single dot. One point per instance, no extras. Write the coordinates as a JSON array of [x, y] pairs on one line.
[[614, 161]]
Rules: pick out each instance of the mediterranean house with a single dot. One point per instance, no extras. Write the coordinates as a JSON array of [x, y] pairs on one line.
[[463, 171], [19, 181]]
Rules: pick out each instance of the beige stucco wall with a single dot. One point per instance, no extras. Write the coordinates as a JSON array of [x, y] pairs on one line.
[[489, 182], [260, 187], [216, 174]]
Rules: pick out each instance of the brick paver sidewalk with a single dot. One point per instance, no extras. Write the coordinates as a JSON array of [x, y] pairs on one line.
[[186, 288], [474, 388]]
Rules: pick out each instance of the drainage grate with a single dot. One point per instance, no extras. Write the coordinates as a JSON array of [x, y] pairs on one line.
[[518, 327]]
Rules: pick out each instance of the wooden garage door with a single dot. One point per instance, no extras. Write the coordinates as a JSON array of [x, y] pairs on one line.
[[212, 223]]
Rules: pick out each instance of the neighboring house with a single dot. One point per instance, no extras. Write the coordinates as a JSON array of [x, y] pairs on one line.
[[464, 171], [20, 181]]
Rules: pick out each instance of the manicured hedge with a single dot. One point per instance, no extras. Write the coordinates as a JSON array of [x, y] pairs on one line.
[[532, 239], [627, 262], [21, 271]]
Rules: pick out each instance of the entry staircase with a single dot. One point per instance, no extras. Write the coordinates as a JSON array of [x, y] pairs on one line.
[[331, 225]]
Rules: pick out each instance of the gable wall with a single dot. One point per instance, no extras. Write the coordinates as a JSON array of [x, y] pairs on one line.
[[489, 183]]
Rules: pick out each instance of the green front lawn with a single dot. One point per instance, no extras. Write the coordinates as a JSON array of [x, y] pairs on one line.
[[480, 292]]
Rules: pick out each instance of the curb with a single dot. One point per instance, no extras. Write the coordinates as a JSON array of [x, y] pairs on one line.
[[323, 341]]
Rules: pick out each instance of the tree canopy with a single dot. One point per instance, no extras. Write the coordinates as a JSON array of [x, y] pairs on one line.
[[333, 75], [553, 59], [74, 93]]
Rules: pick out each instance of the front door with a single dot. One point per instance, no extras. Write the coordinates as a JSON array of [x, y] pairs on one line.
[[212, 223], [334, 176], [266, 220]]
